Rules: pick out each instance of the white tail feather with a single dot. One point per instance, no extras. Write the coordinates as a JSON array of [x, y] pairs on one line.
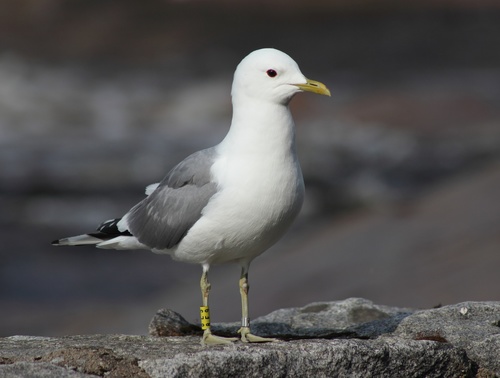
[[79, 240], [122, 242]]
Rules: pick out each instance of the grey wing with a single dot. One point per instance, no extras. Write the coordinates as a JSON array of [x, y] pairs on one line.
[[163, 218]]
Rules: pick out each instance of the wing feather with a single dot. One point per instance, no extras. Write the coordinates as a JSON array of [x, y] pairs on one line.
[[163, 218]]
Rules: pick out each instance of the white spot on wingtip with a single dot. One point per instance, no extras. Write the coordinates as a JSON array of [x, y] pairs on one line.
[[151, 188]]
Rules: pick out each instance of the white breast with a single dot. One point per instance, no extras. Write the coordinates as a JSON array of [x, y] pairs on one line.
[[236, 226], [261, 192]]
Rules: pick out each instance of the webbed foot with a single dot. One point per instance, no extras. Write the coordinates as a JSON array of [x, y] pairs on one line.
[[247, 337], [210, 339]]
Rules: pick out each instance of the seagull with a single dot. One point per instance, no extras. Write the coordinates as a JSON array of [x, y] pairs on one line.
[[230, 202]]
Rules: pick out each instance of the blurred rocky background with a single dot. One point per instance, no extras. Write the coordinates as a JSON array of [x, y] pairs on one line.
[[402, 165]]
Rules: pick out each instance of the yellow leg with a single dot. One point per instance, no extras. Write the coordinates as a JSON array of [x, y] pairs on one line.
[[246, 336], [208, 337]]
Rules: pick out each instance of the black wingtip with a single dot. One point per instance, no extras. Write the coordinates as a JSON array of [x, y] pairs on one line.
[[55, 242]]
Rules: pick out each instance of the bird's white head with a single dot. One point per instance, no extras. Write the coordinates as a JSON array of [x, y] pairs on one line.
[[273, 76]]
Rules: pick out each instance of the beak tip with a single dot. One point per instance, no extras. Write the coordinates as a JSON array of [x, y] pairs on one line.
[[315, 87]]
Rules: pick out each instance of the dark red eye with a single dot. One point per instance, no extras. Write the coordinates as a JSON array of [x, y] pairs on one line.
[[271, 73]]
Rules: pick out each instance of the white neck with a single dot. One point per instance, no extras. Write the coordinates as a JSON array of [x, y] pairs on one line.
[[259, 127]]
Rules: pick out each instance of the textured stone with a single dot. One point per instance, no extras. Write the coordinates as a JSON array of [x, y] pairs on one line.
[[169, 323], [353, 338], [472, 326], [184, 356], [38, 370], [354, 317], [317, 358]]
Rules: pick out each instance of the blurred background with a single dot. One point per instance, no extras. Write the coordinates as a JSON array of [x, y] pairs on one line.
[[402, 165]]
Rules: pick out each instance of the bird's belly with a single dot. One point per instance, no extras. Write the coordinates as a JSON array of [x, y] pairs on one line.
[[242, 221]]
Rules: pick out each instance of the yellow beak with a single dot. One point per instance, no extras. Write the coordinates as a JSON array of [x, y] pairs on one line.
[[314, 87]]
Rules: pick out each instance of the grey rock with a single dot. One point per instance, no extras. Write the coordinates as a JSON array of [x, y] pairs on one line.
[[355, 338], [317, 358], [169, 323], [37, 370], [353, 317], [471, 326], [184, 356]]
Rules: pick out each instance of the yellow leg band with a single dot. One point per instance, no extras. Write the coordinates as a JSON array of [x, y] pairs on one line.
[[205, 317]]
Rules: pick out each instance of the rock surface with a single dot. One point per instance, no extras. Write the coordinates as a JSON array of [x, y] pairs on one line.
[[353, 337]]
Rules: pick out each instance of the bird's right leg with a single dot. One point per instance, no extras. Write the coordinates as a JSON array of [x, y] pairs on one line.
[[208, 337]]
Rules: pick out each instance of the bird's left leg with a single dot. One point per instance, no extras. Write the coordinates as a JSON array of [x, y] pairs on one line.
[[246, 336], [208, 337]]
